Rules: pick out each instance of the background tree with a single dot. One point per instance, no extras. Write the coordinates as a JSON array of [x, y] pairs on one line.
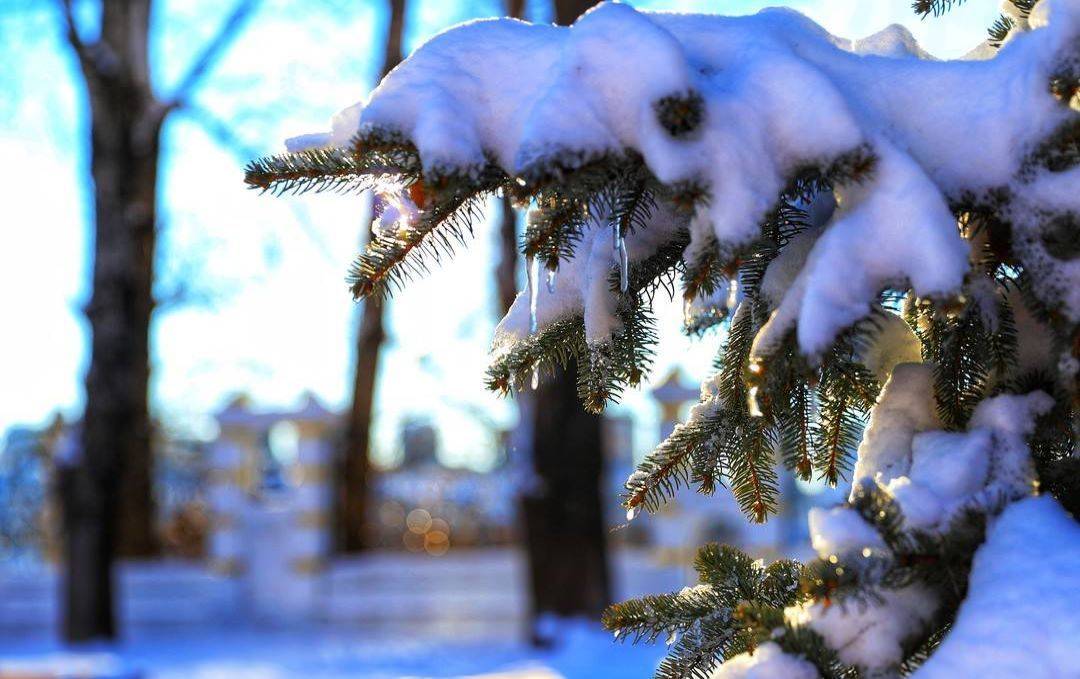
[[565, 533], [107, 494], [353, 488]]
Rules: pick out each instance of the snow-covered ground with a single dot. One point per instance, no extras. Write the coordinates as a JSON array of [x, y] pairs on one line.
[[331, 652], [385, 615]]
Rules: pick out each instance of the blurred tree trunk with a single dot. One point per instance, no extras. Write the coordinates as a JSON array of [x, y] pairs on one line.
[[564, 520], [108, 503], [106, 489], [354, 482]]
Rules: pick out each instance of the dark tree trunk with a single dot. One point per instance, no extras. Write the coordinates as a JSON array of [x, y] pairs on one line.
[[106, 490], [108, 503], [565, 536], [353, 490], [506, 271], [564, 517]]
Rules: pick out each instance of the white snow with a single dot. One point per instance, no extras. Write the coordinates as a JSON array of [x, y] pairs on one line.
[[932, 475], [904, 408], [1020, 616], [780, 93], [891, 343], [869, 633], [836, 530], [782, 271], [766, 662]]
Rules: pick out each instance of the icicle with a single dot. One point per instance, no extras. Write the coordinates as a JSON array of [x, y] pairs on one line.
[[551, 281], [631, 513], [624, 266], [752, 402], [756, 368], [733, 293], [535, 378], [616, 236], [672, 638], [530, 270]]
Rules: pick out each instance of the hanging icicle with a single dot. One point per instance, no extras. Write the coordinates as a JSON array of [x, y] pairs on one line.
[[624, 266], [530, 270]]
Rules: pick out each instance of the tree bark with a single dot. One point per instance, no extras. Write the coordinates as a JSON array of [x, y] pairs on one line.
[[106, 489], [353, 490], [565, 537], [107, 492]]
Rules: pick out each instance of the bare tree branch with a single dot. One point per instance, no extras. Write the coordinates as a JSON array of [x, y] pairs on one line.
[[221, 132], [95, 58], [212, 51], [72, 32]]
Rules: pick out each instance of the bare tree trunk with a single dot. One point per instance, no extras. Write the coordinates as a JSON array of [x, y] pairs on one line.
[[106, 489], [564, 519], [354, 480], [108, 501]]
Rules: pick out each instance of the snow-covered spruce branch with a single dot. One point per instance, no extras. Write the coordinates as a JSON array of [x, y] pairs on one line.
[[890, 241]]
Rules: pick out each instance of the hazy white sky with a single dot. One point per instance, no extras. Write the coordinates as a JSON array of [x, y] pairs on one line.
[[285, 324]]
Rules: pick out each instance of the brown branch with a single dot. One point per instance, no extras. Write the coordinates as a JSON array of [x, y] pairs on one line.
[[95, 58], [212, 51]]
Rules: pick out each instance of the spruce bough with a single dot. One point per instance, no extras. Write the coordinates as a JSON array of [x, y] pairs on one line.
[[894, 267]]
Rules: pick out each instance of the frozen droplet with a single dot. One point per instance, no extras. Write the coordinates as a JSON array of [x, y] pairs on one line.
[[752, 402], [535, 378], [688, 311], [530, 270], [733, 292], [617, 633], [624, 266], [631, 513], [672, 638], [551, 281]]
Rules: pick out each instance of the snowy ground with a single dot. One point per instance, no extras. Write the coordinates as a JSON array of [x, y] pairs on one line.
[[314, 653], [387, 615]]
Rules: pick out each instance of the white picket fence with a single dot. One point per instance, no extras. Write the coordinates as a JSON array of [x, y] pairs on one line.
[[461, 593]]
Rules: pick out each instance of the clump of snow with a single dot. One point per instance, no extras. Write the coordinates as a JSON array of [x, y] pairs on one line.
[[891, 343], [904, 408], [782, 271], [780, 94], [897, 227], [1020, 615], [893, 41], [869, 634], [932, 475], [767, 661], [837, 530]]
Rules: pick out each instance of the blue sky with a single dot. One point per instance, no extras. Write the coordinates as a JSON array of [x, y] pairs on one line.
[[282, 322]]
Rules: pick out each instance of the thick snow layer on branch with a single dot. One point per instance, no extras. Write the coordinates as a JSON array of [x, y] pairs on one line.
[[1020, 616], [780, 94], [904, 408], [871, 633], [766, 662], [933, 475]]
